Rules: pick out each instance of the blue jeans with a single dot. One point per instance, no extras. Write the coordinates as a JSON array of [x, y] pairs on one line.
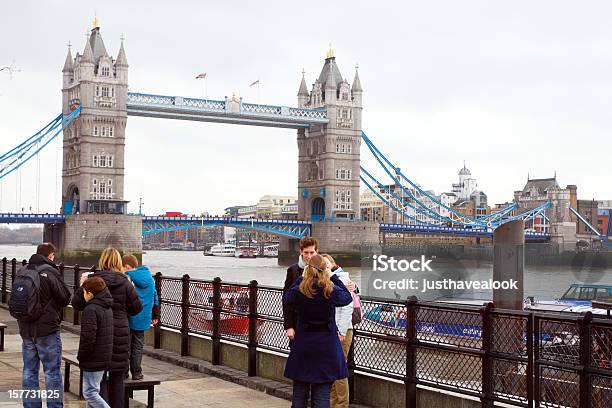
[[48, 350], [91, 389], [319, 395]]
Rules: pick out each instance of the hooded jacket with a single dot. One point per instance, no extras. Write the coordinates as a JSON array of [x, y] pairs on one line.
[[125, 303], [344, 314], [145, 287], [54, 295], [96, 344]]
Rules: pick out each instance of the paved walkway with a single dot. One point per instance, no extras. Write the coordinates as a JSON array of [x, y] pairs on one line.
[[180, 387]]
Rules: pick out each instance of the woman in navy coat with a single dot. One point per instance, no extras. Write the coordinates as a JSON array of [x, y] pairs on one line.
[[316, 359]]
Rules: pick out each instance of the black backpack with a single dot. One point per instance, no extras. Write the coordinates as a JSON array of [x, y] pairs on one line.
[[24, 304]]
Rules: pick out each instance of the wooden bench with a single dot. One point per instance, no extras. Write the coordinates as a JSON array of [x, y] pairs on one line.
[[69, 360], [147, 384], [130, 386], [2, 327]]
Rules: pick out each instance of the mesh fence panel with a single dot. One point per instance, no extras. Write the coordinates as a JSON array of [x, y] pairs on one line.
[[380, 355], [449, 368], [601, 391], [559, 387]]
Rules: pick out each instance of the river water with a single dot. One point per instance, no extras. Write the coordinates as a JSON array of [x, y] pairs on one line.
[[540, 281]]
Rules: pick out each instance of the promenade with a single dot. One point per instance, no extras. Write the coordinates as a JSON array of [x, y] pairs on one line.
[[180, 387]]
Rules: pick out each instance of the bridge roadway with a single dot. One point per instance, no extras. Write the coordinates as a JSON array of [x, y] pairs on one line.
[[289, 228]]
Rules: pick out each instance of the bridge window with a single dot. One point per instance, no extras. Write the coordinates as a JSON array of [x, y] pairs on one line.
[[96, 131], [102, 161], [105, 91], [95, 161], [105, 71], [111, 131], [97, 90]]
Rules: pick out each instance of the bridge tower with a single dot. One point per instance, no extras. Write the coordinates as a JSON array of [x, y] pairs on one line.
[[328, 173], [328, 165], [93, 154]]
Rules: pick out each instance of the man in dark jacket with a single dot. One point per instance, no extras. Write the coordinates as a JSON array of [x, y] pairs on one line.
[[308, 248], [96, 343], [41, 340]]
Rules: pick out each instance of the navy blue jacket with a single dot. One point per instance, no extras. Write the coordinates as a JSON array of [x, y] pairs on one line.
[[96, 345], [316, 356], [145, 287]]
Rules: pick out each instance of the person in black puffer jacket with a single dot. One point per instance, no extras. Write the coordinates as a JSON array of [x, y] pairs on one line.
[[125, 303], [96, 344]]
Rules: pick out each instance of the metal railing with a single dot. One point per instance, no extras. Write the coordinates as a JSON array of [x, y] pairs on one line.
[[519, 358]]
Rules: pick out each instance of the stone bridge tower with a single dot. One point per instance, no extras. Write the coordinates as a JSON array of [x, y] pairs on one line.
[[93, 155], [328, 170], [328, 173]]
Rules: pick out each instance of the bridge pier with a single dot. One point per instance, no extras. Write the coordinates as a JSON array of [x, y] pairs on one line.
[[84, 236], [349, 242]]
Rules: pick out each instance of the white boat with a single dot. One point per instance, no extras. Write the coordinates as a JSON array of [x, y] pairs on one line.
[[222, 250], [270, 251], [245, 251]]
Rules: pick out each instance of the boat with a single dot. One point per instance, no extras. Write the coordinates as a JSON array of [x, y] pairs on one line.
[[245, 251], [270, 251], [222, 250], [234, 305], [578, 298]]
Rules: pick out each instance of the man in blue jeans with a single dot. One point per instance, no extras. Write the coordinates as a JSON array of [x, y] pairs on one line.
[[41, 337]]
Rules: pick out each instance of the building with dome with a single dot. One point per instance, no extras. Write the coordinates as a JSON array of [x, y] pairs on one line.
[[466, 185]]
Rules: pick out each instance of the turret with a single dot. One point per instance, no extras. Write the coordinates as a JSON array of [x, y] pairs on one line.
[[68, 70], [303, 93], [121, 65], [86, 64], [356, 89]]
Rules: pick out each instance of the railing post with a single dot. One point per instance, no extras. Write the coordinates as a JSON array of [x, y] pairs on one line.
[[585, 357], [76, 276], [216, 337], [252, 344], [185, 316], [4, 269], [13, 270], [536, 358], [530, 356], [60, 269], [157, 328], [487, 360], [411, 338]]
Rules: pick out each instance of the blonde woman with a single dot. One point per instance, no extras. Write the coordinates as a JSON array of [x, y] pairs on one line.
[[344, 315], [316, 359], [125, 303]]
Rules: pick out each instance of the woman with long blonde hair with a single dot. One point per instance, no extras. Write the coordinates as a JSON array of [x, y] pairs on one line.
[[316, 359], [125, 303]]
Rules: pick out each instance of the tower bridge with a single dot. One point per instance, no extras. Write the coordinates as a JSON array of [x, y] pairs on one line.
[[328, 122]]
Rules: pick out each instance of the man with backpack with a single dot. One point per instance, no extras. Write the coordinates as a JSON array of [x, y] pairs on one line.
[[37, 298]]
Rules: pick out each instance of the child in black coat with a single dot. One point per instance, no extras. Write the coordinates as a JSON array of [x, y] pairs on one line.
[[96, 344]]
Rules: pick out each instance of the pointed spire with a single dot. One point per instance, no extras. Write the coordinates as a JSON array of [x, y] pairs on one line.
[[87, 53], [121, 58], [68, 65], [356, 82], [303, 89]]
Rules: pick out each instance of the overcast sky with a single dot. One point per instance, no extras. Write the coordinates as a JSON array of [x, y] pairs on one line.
[[509, 87]]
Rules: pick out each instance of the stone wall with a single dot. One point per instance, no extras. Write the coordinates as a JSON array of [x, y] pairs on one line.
[[85, 236]]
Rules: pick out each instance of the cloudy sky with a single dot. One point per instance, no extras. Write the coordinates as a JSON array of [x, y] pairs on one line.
[[510, 87]]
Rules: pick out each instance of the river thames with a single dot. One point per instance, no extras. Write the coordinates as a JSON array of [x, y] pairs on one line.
[[540, 281]]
